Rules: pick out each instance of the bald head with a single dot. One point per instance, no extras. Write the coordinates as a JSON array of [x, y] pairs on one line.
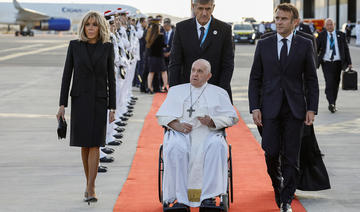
[[200, 72], [329, 25]]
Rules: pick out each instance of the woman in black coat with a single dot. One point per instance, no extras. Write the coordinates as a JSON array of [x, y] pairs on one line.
[[90, 64], [155, 56]]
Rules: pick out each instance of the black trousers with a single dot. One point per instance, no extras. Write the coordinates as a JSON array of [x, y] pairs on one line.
[[332, 73], [281, 140]]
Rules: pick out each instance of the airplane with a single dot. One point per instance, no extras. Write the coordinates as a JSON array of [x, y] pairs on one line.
[[63, 17]]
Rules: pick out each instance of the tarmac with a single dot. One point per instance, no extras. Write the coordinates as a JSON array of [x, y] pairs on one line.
[[38, 172]]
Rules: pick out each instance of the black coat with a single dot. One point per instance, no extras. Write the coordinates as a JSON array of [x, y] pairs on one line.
[[305, 28], [270, 83], [313, 174], [343, 48], [217, 49], [92, 92]]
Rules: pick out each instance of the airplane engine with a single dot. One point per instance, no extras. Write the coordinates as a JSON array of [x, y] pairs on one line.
[[57, 24]]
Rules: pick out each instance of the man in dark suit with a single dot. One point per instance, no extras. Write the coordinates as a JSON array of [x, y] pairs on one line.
[[334, 56], [168, 38], [283, 68], [202, 37]]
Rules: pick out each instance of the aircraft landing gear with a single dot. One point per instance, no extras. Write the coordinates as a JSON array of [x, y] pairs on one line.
[[24, 33]]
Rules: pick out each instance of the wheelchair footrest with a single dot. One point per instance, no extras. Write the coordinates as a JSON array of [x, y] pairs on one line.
[[176, 209], [211, 209]]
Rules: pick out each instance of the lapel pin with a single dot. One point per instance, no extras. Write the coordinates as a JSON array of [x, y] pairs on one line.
[[215, 32]]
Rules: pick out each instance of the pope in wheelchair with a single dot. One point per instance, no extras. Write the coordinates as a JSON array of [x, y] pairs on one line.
[[195, 152]]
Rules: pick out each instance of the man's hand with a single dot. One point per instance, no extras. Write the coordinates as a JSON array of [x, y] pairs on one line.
[[310, 117], [207, 121], [257, 118], [180, 127], [350, 66], [166, 54]]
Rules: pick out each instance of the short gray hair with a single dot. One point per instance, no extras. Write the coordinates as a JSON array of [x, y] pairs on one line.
[[203, 1], [204, 62], [329, 19]]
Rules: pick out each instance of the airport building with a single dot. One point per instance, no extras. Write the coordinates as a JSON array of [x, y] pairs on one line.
[[339, 10]]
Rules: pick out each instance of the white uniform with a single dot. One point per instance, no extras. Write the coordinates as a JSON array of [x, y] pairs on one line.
[[357, 31], [124, 45], [202, 152]]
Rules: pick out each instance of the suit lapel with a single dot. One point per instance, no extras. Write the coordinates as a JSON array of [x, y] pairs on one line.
[[340, 44], [194, 34], [86, 56], [274, 47], [292, 51]]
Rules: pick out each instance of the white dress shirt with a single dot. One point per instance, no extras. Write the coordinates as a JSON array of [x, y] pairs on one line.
[[206, 26], [328, 51], [280, 43]]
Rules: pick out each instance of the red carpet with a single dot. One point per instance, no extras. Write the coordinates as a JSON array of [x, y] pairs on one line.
[[252, 186]]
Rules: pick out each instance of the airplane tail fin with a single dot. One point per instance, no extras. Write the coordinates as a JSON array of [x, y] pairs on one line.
[[17, 5]]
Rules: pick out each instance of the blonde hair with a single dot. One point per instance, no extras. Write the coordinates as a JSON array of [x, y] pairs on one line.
[[104, 31]]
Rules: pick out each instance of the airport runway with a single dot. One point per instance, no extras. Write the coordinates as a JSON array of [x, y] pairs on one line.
[[40, 173]]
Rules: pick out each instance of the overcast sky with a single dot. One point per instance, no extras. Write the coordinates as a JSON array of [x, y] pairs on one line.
[[227, 10]]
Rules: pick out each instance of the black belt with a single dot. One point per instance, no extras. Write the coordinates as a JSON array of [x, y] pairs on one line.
[[331, 62]]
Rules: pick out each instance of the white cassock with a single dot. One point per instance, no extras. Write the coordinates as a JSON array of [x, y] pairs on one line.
[[357, 31], [195, 164]]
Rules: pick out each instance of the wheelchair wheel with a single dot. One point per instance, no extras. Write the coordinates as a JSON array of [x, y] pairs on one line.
[[160, 173], [231, 193]]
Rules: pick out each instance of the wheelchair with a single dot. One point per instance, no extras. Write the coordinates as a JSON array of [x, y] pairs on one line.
[[223, 201]]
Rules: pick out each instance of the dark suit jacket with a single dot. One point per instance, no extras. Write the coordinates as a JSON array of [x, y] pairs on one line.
[[343, 48], [217, 49], [91, 76], [305, 28], [268, 81]]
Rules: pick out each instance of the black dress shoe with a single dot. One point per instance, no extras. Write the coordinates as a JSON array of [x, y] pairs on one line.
[[134, 98], [208, 203], [131, 103], [120, 129], [107, 159], [115, 143], [285, 207], [118, 135], [124, 118], [107, 150], [102, 169], [332, 108], [120, 123], [130, 111], [130, 107], [128, 114]]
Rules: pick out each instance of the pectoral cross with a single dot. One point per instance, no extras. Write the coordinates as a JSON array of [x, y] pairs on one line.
[[190, 110]]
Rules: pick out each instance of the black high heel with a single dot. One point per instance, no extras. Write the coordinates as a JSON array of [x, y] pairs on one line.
[[91, 199]]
